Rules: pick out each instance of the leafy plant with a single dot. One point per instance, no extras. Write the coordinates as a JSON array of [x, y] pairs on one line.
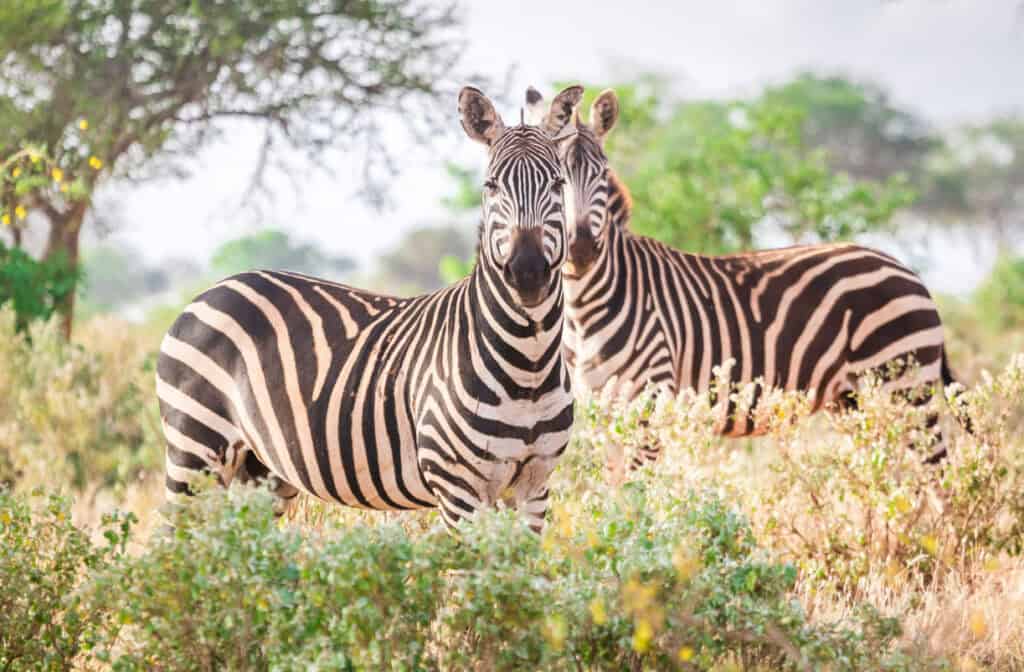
[[46, 620]]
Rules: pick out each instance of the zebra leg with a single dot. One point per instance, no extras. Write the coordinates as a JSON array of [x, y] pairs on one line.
[[253, 471], [189, 459]]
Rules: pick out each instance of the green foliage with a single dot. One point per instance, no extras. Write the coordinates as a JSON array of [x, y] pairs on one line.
[[135, 89], [633, 582], [275, 250], [707, 176], [33, 289], [46, 620], [453, 268], [74, 416], [1000, 299]]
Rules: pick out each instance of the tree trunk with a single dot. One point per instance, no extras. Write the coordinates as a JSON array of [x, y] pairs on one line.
[[65, 228]]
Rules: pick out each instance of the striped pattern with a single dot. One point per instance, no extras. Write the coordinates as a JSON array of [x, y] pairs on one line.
[[811, 318], [458, 399]]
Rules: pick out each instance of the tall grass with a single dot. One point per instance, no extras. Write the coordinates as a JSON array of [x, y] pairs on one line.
[[826, 544]]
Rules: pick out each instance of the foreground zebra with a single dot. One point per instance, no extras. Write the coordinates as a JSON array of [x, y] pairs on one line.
[[457, 399], [811, 318]]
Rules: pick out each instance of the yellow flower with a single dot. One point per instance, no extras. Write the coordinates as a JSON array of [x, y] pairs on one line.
[[643, 633], [57, 174], [6, 219], [555, 631], [95, 163], [20, 212], [930, 544], [83, 124], [16, 172], [902, 504], [978, 624], [686, 654], [33, 157], [686, 563], [597, 611]]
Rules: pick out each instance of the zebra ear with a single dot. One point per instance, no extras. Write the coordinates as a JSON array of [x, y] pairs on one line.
[[479, 119], [562, 108], [604, 113], [534, 107]]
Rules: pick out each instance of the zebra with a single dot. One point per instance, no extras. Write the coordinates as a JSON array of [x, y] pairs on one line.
[[642, 315], [459, 399]]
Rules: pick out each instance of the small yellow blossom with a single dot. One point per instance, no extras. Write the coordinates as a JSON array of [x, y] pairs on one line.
[[95, 163], [686, 563], [902, 504], [643, 633], [686, 654], [6, 219], [57, 174], [16, 172], [20, 212], [33, 157], [978, 624], [598, 612], [555, 632], [83, 124], [930, 544]]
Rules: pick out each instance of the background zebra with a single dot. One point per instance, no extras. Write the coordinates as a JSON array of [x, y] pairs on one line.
[[456, 399], [810, 318]]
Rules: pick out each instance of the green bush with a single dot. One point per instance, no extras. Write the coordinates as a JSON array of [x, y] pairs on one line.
[[634, 582], [72, 415], [34, 289], [46, 619], [1000, 299]]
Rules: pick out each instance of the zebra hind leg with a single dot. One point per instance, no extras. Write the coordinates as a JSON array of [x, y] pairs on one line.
[[253, 471]]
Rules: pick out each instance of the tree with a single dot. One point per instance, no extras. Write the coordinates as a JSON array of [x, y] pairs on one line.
[[129, 88], [414, 264], [863, 133], [274, 250], [977, 176]]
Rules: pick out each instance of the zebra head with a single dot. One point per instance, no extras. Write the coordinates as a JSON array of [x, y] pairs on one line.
[[586, 165], [524, 234]]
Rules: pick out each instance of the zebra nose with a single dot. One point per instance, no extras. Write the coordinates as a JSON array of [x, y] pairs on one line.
[[527, 270], [583, 250]]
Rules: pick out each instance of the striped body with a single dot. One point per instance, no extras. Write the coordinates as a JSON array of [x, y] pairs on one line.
[[640, 314], [458, 399], [802, 318], [365, 400]]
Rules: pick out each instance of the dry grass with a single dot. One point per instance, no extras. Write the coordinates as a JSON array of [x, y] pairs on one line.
[[843, 498]]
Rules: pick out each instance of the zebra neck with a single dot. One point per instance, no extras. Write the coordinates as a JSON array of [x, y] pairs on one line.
[[535, 333]]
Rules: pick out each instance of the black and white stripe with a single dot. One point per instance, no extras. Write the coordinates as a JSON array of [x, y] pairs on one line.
[[640, 314], [458, 399]]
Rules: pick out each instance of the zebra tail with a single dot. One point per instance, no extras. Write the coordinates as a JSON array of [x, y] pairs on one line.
[[956, 403]]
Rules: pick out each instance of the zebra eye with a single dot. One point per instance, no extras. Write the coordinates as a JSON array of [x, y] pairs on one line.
[[557, 185], [491, 186]]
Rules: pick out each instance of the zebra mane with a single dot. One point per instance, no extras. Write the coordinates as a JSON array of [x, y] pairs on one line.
[[620, 201]]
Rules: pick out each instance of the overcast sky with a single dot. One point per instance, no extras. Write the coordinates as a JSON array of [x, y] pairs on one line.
[[949, 60]]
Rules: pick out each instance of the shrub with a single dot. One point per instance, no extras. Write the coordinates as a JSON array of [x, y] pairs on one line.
[[634, 582], [72, 415], [45, 620], [34, 289]]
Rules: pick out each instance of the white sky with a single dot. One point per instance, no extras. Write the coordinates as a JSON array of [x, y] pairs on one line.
[[949, 60]]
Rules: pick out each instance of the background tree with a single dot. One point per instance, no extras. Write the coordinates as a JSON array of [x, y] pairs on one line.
[[413, 265], [132, 88], [275, 250], [708, 176]]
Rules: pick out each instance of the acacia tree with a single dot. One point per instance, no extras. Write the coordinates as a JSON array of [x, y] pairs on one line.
[[132, 88]]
